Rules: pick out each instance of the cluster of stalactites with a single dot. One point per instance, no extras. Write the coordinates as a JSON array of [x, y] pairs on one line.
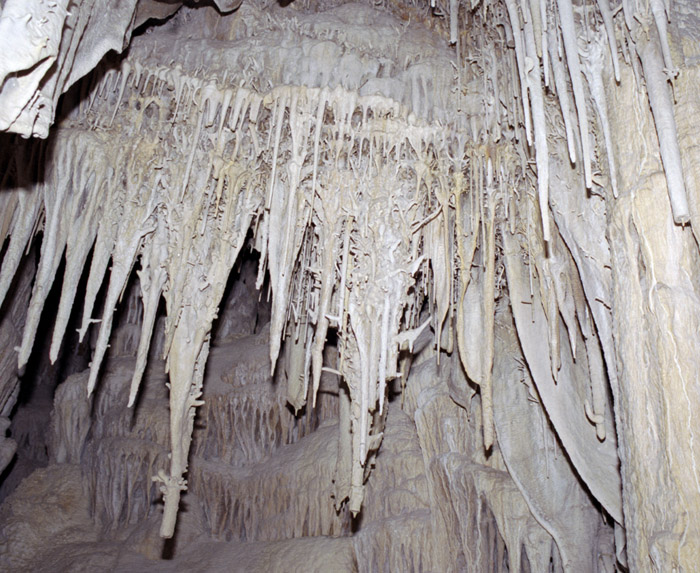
[[555, 54], [362, 212], [349, 197]]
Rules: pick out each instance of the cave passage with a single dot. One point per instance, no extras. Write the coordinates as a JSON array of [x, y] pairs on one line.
[[370, 286]]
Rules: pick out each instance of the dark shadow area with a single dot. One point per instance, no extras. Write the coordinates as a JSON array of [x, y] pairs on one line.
[[23, 161], [31, 414], [244, 309]]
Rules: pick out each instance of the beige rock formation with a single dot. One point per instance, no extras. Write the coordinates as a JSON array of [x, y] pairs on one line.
[[375, 286]]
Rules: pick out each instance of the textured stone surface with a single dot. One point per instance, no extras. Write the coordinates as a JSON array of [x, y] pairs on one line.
[[470, 220]]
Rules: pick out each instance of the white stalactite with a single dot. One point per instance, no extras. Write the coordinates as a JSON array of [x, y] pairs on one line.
[[569, 36], [369, 196], [665, 122]]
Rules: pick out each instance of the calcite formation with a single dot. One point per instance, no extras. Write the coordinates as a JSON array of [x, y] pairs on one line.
[[475, 223]]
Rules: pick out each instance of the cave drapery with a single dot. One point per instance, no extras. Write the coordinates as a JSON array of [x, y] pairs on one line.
[[515, 182]]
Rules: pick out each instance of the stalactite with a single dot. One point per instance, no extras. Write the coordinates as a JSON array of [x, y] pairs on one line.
[[593, 68], [559, 73], [467, 227], [152, 280], [354, 186], [81, 236], [25, 217], [569, 38], [516, 28], [534, 83], [55, 236], [104, 243], [606, 13], [532, 325], [488, 297], [123, 257], [664, 120], [661, 16]]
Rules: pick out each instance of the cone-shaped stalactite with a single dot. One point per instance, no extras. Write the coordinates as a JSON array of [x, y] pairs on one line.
[[399, 180]]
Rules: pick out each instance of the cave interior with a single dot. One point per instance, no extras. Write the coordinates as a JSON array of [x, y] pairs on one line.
[[317, 285]]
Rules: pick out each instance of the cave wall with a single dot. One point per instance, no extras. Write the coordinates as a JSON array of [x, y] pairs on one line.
[[511, 184]]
